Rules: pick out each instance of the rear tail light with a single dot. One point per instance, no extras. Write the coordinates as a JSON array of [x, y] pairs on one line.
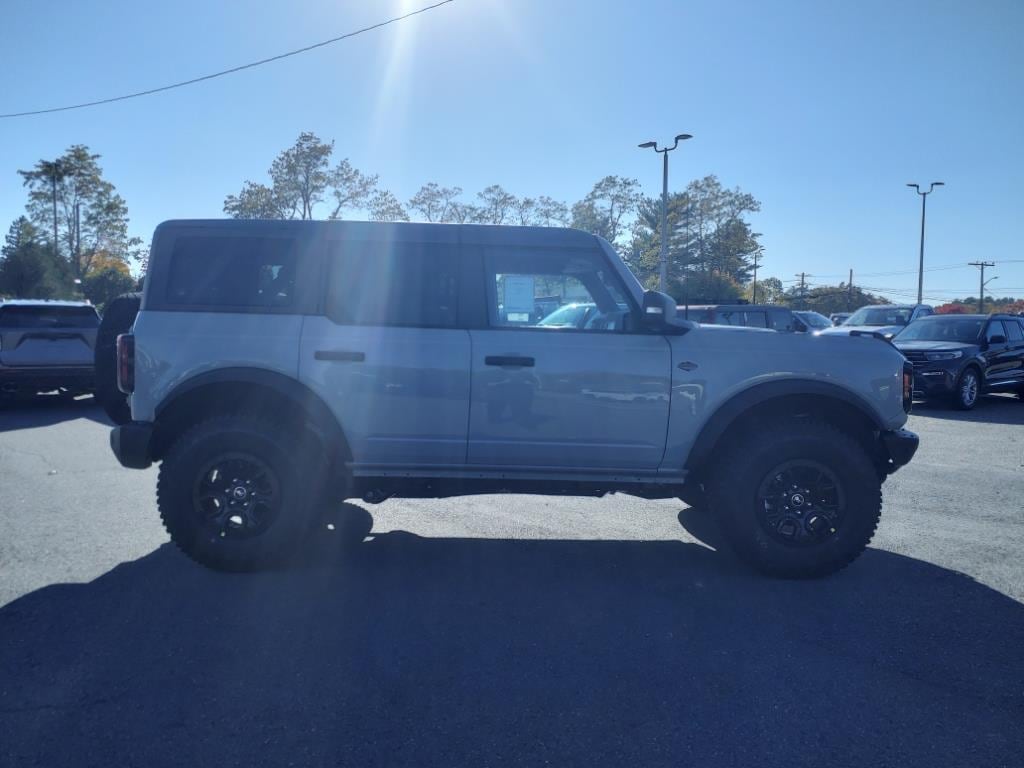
[[908, 386], [126, 363]]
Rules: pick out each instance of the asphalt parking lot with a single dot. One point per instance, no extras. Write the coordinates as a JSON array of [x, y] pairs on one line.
[[509, 630]]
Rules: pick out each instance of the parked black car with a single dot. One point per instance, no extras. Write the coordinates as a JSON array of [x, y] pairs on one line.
[[957, 357]]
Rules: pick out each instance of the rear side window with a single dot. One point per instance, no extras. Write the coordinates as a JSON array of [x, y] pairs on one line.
[[1013, 330], [752, 319], [389, 283], [232, 272], [43, 317], [756, 320]]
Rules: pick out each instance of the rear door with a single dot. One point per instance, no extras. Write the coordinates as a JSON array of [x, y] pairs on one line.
[[387, 355], [555, 398], [47, 336]]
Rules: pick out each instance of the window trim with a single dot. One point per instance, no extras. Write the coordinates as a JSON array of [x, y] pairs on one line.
[[331, 264], [490, 292]]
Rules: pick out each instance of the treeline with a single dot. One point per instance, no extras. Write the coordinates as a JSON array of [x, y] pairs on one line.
[[73, 242], [710, 247]]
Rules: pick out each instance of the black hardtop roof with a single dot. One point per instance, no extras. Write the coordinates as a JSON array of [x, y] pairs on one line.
[[474, 234]]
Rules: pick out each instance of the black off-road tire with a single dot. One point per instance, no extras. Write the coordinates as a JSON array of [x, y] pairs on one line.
[[748, 463], [118, 318], [962, 399], [293, 459]]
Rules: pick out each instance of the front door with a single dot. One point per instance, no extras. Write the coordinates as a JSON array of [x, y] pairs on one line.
[[553, 395], [387, 355], [998, 357]]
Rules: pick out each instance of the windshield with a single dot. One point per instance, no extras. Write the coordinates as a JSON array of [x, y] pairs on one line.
[[880, 316], [814, 320], [569, 315], [955, 329]]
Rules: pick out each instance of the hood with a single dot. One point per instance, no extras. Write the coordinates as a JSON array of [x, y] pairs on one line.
[[844, 330], [932, 346]]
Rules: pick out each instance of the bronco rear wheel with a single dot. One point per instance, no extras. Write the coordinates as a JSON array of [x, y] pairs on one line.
[[236, 492], [799, 500]]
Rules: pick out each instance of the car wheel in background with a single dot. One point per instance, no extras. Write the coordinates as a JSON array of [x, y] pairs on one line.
[[968, 388]]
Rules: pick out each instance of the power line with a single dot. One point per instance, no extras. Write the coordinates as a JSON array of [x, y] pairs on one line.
[[239, 68]]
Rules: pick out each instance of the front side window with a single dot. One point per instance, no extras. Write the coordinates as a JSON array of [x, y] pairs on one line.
[[553, 289], [995, 328], [232, 272], [389, 283]]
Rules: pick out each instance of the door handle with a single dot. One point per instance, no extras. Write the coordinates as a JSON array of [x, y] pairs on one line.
[[509, 361], [339, 355]]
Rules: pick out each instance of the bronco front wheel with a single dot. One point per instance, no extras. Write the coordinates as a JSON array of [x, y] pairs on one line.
[[800, 499]]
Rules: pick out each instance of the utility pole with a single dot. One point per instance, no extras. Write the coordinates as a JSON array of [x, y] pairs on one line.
[[920, 263], [663, 253], [757, 255], [981, 282], [849, 292], [803, 290]]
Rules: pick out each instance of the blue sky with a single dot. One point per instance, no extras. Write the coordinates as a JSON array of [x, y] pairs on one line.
[[822, 110]]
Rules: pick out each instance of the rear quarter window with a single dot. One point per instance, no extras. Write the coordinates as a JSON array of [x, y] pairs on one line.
[[232, 271]]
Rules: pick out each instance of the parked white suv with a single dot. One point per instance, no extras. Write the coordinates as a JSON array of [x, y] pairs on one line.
[[274, 364]]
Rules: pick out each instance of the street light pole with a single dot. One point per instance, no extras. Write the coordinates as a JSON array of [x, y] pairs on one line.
[[663, 251], [920, 263]]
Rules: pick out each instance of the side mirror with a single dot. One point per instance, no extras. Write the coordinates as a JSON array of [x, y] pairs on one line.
[[997, 340], [659, 309]]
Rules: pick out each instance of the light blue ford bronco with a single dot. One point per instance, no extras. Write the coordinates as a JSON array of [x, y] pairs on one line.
[[278, 365]]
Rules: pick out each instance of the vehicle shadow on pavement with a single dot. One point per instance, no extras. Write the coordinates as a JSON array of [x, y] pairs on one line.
[[402, 650], [991, 409], [47, 410]]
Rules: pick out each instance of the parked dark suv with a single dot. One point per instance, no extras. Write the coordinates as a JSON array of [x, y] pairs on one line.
[[957, 357], [47, 345]]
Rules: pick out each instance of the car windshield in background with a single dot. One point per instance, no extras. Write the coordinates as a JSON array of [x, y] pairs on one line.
[[569, 316], [42, 317], [814, 320], [880, 316], [956, 329]]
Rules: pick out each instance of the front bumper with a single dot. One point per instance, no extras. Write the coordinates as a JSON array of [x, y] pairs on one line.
[[932, 382], [130, 444], [900, 446]]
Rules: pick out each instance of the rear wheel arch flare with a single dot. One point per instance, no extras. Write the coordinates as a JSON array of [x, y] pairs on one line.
[[246, 389]]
